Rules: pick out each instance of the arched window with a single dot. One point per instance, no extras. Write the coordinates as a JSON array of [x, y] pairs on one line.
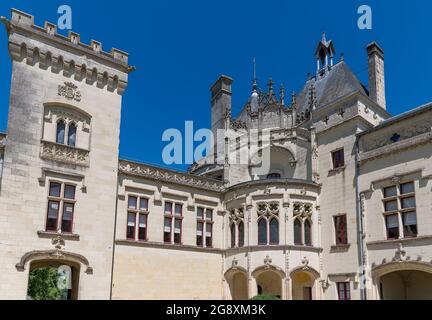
[[297, 232], [72, 135], [233, 235], [274, 176], [262, 232], [308, 233], [60, 134], [274, 231], [241, 234]]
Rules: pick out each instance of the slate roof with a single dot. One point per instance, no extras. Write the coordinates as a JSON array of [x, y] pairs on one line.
[[336, 83]]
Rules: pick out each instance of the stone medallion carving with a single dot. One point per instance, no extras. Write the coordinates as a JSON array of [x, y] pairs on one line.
[[69, 91]]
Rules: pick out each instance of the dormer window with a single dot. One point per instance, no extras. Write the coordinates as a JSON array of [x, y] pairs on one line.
[[274, 175]]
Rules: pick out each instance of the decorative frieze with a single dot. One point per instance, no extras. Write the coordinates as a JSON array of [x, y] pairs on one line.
[[64, 154], [159, 174]]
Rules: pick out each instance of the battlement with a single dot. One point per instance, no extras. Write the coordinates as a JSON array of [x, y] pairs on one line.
[[49, 49], [23, 19]]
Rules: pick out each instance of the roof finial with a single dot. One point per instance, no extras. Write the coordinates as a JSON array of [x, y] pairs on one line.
[[255, 84], [270, 85], [324, 40], [282, 94]]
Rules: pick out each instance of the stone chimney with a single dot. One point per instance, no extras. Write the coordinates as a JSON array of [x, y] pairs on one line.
[[376, 74], [220, 109]]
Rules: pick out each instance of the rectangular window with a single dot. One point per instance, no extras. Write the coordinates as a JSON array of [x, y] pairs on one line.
[[392, 223], [344, 290], [209, 232], [338, 158], [177, 231], [53, 212], [410, 224], [137, 218], [130, 232], [167, 230], [341, 229], [142, 227], [400, 207], [61, 206], [173, 222], [200, 234], [67, 218], [204, 227]]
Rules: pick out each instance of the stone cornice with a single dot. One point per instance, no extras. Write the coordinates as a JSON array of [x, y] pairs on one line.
[[148, 244], [396, 147], [170, 176], [392, 243]]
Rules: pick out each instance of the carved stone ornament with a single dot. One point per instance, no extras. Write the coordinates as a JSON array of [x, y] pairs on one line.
[[400, 255], [235, 263], [58, 243], [268, 209], [303, 210], [69, 91], [267, 262], [159, 174], [305, 263], [65, 154], [236, 215]]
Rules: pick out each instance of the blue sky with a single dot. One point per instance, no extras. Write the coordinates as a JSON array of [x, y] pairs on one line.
[[181, 47]]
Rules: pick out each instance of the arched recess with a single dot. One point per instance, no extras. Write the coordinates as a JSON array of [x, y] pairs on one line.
[[270, 281], [403, 280], [282, 163], [237, 279], [55, 255], [304, 283]]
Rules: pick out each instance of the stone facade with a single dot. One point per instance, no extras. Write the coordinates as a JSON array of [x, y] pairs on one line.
[[319, 224]]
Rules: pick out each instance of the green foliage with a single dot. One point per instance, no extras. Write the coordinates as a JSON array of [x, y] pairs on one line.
[[265, 297], [43, 284]]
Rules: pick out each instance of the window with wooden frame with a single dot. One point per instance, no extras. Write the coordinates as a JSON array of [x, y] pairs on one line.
[[338, 158], [400, 212], [173, 218], [137, 218], [344, 290], [340, 223], [61, 207], [204, 227]]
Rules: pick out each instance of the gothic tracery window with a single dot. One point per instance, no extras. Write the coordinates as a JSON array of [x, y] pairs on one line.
[[268, 223], [303, 224], [60, 134], [237, 228], [72, 130]]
